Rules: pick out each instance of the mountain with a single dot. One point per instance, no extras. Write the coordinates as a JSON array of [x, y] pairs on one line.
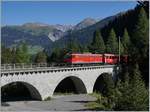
[[38, 36], [14, 35], [54, 32], [85, 23], [85, 35], [62, 28], [45, 36]]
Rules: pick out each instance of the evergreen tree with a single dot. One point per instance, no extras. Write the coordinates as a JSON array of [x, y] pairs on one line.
[[121, 48], [126, 41], [112, 44], [22, 55], [62, 54], [25, 53], [133, 93], [126, 77], [145, 5], [141, 43], [6, 56], [72, 46], [81, 48], [18, 55], [13, 52], [141, 33], [97, 45], [55, 56], [108, 89], [41, 57], [85, 49]]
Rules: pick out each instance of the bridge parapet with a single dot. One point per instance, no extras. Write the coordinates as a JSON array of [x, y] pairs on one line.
[[39, 69]]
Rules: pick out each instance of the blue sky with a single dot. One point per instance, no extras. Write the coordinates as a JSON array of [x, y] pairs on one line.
[[17, 13]]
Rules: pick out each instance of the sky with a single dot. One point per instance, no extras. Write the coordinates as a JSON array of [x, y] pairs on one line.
[[60, 12]]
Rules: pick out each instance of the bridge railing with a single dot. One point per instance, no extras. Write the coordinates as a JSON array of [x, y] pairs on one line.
[[24, 66], [21, 66], [42, 66]]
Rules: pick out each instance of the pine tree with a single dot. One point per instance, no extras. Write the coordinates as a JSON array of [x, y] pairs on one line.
[[141, 43], [141, 33], [13, 52], [121, 48], [41, 57], [97, 45], [6, 56], [112, 44], [108, 84], [73, 46], [26, 55], [56, 55], [134, 95], [22, 55], [85, 49], [126, 41], [108, 90], [18, 55]]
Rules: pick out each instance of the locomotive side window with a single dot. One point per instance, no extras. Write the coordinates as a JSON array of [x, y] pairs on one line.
[[67, 56]]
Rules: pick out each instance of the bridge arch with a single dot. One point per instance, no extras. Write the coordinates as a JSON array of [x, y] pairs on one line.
[[99, 82], [14, 89], [70, 84]]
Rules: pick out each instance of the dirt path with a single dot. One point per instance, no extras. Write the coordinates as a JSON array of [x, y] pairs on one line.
[[57, 103]]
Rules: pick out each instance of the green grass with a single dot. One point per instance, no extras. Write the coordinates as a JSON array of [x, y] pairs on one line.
[[95, 94], [95, 106], [99, 103]]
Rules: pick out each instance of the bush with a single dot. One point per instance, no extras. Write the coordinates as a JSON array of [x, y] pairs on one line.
[[47, 99]]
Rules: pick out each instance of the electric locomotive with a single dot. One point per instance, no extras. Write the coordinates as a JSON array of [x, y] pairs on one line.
[[89, 58]]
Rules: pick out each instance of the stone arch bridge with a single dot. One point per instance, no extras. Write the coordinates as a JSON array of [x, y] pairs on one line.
[[42, 82]]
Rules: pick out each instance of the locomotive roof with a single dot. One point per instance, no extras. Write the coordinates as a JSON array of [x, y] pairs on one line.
[[85, 54], [110, 54]]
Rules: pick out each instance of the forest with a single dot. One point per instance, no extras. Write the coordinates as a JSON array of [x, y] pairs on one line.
[[130, 91]]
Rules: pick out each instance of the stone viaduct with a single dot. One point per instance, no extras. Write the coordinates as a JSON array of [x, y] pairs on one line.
[[42, 82]]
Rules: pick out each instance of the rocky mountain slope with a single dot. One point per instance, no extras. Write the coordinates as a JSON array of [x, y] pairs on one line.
[[85, 23]]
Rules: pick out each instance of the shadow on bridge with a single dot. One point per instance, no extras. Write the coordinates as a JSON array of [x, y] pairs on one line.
[[72, 85], [101, 82], [19, 91]]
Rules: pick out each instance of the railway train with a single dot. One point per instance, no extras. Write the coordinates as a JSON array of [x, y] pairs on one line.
[[89, 58]]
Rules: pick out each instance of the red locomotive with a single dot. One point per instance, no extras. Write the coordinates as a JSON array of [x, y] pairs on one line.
[[76, 58]]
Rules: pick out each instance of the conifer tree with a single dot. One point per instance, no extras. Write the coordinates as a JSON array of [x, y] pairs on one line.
[[13, 52], [55, 55], [112, 44], [85, 49], [22, 55], [108, 84], [73, 46], [41, 57], [134, 95], [97, 45], [18, 55], [121, 48], [141, 33], [6, 56], [126, 41]]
